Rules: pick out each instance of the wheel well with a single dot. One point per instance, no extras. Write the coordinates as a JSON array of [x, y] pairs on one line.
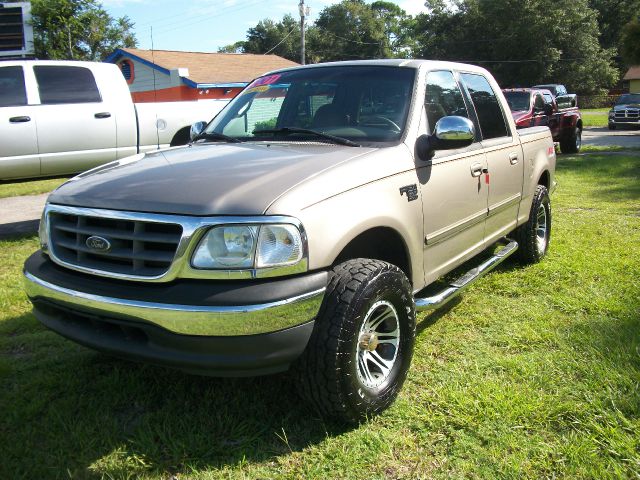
[[181, 137], [381, 243], [544, 179]]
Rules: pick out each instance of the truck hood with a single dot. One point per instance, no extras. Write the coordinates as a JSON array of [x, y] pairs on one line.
[[203, 179], [624, 106]]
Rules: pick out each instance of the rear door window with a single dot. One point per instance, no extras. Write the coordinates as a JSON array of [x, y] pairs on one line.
[[12, 89], [490, 115], [66, 84]]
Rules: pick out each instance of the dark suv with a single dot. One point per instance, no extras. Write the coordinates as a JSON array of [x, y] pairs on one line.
[[626, 111]]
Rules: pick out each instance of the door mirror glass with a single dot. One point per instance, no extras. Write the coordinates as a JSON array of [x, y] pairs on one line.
[[454, 132], [449, 133], [196, 129]]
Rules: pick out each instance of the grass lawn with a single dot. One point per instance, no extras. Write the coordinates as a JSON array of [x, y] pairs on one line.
[[534, 373], [29, 187], [595, 117]]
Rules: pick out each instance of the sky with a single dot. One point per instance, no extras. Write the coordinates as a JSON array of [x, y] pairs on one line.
[[206, 25]]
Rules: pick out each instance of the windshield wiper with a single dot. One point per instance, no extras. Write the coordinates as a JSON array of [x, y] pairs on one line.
[[216, 136], [294, 130]]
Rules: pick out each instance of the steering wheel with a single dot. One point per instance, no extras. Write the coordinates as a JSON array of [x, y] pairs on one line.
[[372, 121]]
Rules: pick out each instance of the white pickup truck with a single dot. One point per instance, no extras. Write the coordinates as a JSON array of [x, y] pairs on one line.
[[61, 117]]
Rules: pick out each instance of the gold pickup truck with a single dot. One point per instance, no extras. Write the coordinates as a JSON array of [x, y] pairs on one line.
[[300, 228]]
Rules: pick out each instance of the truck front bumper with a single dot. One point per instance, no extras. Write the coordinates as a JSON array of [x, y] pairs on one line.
[[227, 328], [621, 122]]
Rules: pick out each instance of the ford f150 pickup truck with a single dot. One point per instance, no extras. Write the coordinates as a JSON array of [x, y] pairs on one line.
[[300, 228], [59, 117], [533, 107]]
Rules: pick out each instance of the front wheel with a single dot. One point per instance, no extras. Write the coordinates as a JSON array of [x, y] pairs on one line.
[[533, 237], [362, 343]]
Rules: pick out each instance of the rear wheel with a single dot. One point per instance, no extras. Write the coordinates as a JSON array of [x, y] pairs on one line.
[[533, 237], [572, 142], [362, 343]]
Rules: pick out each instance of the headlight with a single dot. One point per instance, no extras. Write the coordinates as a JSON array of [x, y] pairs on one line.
[[227, 247], [236, 247], [612, 114]]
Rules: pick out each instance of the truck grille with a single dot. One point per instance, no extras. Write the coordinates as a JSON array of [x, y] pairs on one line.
[[628, 114], [130, 247]]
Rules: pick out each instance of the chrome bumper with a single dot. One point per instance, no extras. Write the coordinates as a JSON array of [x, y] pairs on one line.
[[184, 319]]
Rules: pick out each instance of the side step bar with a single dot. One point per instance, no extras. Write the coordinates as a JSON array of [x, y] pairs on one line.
[[456, 287]]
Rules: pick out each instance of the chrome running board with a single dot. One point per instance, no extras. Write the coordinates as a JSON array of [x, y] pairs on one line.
[[456, 287]]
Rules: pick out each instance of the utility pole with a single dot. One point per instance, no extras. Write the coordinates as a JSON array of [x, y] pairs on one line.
[[304, 12]]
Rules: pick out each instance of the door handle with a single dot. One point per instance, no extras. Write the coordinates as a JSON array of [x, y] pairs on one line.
[[21, 119], [102, 115], [476, 170], [513, 158]]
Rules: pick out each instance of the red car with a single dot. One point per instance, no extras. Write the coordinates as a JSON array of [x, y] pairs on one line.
[[533, 107]]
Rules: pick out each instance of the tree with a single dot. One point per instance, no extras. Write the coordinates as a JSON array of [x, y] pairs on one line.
[[349, 30], [281, 38], [613, 15], [237, 47], [522, 42], [630, 42], [78, 30], [398, 28]]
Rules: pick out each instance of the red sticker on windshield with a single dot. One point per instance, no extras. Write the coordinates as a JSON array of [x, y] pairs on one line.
[[268, 80]]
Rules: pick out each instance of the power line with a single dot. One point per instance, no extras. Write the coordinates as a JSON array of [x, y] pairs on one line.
[[280, 42], [189, 21], [352, 41], [526, 61], [172, 19]]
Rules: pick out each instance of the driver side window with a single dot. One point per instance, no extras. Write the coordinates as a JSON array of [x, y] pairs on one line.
[[443, 97]]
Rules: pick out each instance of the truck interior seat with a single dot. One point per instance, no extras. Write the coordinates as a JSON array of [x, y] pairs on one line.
[[329, 115]]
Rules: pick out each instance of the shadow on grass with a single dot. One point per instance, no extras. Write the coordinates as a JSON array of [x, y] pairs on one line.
[[71, 412], [25, 323], [610, 345]]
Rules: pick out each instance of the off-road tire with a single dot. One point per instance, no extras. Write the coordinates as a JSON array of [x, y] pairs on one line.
[[572, 142], [327, 372], [530, 249], [612, 126]]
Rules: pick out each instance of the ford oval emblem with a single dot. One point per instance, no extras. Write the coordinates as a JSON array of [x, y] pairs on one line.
[[98, 244]]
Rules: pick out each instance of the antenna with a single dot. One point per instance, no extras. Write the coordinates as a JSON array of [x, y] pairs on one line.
[[155, 93]]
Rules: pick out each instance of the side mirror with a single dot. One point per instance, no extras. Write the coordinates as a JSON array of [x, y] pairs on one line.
[[449, 133], [196, 129], [548, 109], [567, 101]]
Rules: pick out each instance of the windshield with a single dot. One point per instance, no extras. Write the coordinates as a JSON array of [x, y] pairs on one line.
[[364, 104], [518, 101], [629, 98]]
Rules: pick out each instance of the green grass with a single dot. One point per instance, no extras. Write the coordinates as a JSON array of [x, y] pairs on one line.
[[535, 374], [607, 148], [29, 187], [595, 117]]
